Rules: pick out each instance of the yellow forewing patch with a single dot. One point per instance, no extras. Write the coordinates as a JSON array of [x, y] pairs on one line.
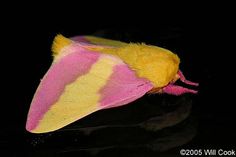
[[79, 98]]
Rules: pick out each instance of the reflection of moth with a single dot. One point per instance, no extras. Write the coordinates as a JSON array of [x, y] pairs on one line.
[[89, 74]]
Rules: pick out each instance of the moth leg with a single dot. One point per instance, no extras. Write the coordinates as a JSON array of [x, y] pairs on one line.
[[177, 90], [183, 79]]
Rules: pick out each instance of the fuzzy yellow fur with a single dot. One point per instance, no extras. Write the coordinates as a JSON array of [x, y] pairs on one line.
[[151, 62], [59, 42]]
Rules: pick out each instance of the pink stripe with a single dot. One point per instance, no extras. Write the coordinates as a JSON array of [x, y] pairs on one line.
[[123, 87], [61, 73], [81, 39]]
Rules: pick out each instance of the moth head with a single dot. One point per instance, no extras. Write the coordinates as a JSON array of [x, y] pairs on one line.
[[156, 64], [173, 89]]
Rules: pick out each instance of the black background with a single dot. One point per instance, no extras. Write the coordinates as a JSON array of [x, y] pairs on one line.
[[202, 36]]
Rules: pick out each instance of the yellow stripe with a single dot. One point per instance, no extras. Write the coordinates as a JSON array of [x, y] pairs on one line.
[[103, 41], [80, 98]]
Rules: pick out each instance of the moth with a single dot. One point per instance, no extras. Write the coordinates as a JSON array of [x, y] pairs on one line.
[[91, 73]]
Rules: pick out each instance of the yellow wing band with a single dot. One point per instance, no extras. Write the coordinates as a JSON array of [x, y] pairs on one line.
[[79, 99]]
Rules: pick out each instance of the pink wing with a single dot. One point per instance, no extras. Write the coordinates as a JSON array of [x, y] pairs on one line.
[[57, 101], [123, 87]]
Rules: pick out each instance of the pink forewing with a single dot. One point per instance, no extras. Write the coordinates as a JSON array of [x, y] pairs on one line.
[[123, 87], [61, 73]]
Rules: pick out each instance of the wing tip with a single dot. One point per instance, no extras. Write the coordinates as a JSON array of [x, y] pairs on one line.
[[30, 127], [37, 131]]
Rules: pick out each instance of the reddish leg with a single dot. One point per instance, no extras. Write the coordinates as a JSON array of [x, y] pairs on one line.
[[183, 79], [177, 90]]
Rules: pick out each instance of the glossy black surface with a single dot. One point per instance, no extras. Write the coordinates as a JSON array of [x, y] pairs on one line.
[[142, 124]]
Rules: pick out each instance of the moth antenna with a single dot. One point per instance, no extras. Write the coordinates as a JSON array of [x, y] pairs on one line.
[[184, 80]]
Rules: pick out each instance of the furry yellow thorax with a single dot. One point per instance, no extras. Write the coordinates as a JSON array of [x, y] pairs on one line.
[[151, 62]]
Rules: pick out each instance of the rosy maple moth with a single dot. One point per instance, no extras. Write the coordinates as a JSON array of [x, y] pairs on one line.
[[90, 74]]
